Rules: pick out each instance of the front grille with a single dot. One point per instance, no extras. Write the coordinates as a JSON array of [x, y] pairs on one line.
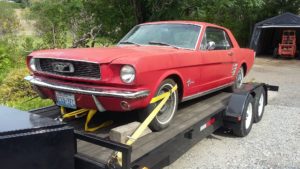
[[81, 69]]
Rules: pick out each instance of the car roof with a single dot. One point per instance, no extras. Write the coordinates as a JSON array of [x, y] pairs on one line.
[[183, 22]]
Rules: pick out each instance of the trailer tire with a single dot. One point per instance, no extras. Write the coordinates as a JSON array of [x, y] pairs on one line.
[[160, 122], [243, 128], [259, 106]]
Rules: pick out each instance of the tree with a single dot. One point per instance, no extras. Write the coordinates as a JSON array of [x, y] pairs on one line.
[[272, 8], [57, 19]]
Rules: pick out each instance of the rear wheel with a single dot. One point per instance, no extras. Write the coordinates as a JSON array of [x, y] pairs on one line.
[[166, 114], [239, 78], [259, 106], [245, 125], [238, 82]]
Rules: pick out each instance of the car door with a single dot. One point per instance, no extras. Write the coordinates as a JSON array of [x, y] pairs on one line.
[[230, 64], [217, 58]]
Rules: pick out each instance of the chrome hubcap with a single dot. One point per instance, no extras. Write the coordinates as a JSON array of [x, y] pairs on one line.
[[239, 78], [248, 116], [167, 111]]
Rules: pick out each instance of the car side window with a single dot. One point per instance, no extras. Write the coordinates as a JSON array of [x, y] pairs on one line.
[[216, 36]]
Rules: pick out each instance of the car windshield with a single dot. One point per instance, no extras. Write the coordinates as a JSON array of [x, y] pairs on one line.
[[174, 35]]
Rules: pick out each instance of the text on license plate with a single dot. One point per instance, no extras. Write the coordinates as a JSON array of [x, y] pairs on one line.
[[65, 99]]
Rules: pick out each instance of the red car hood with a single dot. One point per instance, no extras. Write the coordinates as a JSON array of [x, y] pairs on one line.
[[105, 55]]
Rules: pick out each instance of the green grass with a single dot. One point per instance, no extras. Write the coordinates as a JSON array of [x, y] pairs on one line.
[[27, 103], [10, 5]]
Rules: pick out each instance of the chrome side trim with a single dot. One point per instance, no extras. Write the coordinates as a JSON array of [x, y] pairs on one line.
[[89, 91], [98, 104], [205, 92]]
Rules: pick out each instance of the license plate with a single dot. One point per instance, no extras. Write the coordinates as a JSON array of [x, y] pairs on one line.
[[65, 100]]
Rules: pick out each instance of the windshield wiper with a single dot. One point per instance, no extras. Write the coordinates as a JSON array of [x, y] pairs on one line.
[[129, 42], [162, 44]]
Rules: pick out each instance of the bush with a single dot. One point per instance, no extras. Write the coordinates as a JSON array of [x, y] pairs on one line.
[[5, 62], [14, 49], [14, 86], [17, 92], [6, 59], [29, 44], [9, 22]]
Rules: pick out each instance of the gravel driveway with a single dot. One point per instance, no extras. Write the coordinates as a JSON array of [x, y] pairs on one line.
[[273, 143]]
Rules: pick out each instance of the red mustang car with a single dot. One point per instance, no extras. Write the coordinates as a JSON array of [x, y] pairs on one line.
[[150, 60]]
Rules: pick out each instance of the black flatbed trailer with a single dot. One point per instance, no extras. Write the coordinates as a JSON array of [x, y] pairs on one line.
[[195, 120]]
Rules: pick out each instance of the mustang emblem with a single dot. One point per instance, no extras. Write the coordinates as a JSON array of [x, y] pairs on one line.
[[190, 82], [63, 67]]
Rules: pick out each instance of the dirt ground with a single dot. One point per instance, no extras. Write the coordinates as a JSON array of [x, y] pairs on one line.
[[274, 142]]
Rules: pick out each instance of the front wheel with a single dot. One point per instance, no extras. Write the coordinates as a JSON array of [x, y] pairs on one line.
[[166, 114]]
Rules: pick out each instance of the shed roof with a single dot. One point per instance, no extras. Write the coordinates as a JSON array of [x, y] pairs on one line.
[[284, 20]]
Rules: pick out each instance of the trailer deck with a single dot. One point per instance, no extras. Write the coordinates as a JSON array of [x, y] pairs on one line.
[[188, 114]]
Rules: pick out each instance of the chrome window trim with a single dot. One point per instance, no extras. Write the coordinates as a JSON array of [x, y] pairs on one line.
[[224, 33], [227, 38]]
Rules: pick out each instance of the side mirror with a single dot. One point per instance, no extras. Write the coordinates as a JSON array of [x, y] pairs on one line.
[[211, 45]]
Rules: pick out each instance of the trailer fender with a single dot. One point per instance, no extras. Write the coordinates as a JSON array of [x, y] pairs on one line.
[[235, 107], [238, 99]]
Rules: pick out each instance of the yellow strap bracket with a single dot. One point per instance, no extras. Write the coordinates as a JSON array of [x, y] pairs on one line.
[[139, 131], [90, 114], [88, 119], [62, 110]]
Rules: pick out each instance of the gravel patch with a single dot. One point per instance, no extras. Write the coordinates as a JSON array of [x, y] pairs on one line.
[[273, 143]]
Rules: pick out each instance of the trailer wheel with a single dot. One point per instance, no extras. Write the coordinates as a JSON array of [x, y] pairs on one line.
[[166, 114], [244, 127], [259, 106]]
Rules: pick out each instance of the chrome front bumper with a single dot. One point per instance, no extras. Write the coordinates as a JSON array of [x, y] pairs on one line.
[[87, 90]]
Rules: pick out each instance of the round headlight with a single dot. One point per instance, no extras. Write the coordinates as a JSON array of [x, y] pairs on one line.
[[127, 74], [32, 64]]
